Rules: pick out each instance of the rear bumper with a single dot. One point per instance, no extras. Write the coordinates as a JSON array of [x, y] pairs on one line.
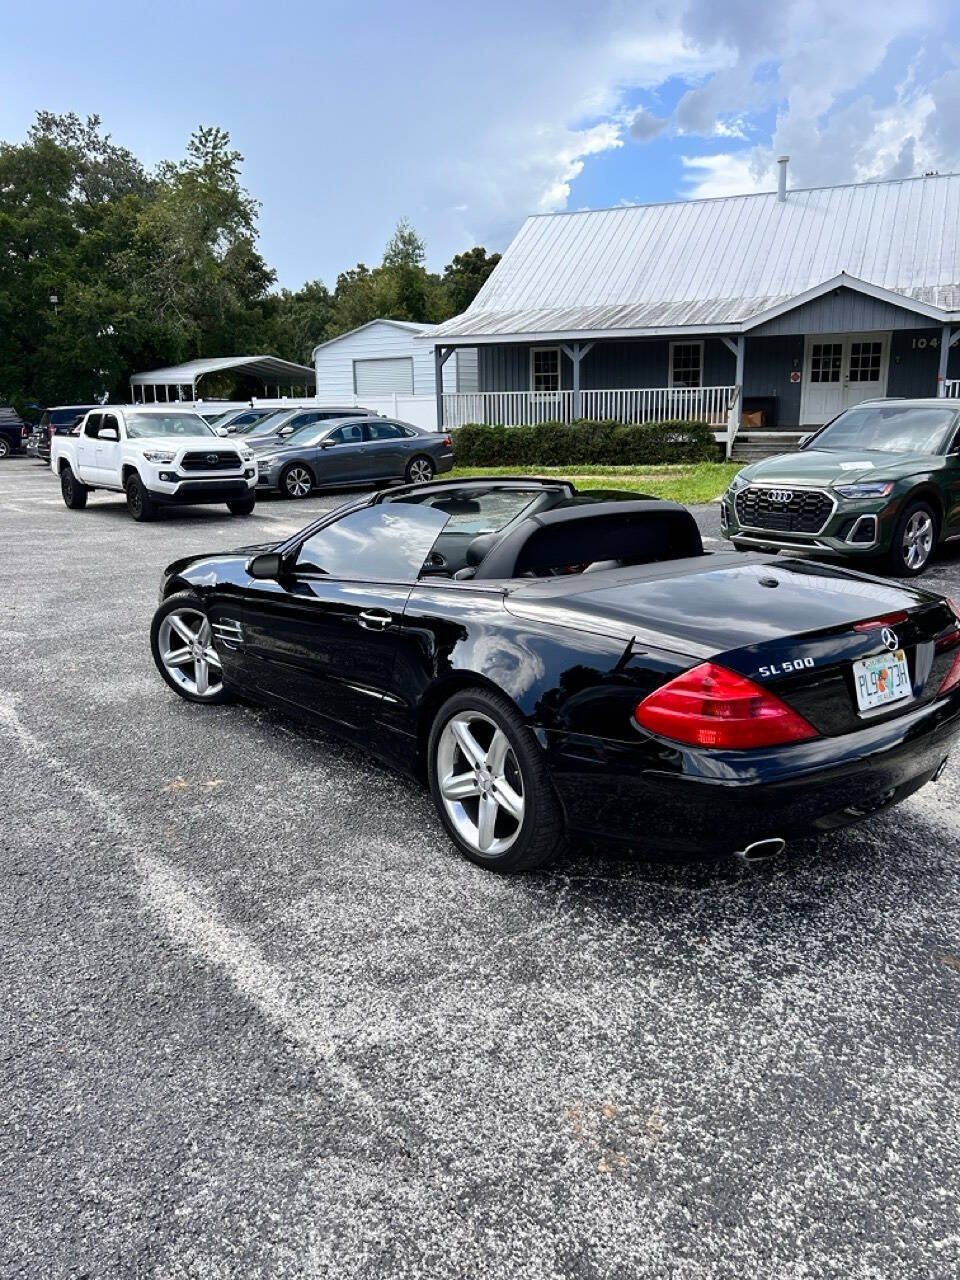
[[697, 801]]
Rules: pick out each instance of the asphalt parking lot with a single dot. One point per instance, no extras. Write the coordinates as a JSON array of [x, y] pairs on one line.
[[259, 1019]]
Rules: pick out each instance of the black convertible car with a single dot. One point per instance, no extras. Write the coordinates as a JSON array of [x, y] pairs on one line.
[[555, 661]]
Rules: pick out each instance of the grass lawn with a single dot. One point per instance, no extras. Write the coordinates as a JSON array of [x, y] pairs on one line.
[[686, 482]]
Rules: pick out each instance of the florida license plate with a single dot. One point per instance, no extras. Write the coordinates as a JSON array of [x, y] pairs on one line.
[[882, 679]]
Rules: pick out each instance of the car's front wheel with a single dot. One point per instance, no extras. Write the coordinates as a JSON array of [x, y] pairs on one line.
[[181, 641], [139, 503], [490, 784], [420, 469], [914, 540], [74, 493], [296, 481]]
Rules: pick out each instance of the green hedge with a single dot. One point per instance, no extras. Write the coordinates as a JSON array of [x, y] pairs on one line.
[[560, 444]]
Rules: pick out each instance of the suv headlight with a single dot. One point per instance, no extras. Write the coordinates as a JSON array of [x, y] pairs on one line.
[[739, 481], [158, 455], [869, 489]]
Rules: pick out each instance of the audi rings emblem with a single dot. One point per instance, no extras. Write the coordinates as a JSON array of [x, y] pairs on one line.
[[780, 495]]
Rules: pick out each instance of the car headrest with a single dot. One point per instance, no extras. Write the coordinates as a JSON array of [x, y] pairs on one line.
[[479, 547], [640, 532]]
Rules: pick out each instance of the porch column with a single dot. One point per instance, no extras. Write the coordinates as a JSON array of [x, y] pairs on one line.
[[575, 352], [948, 338], [440, 358]]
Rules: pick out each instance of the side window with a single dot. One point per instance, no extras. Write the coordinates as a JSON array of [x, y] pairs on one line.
[[378, 542], [352, 434], [92, 425], [384, 431]]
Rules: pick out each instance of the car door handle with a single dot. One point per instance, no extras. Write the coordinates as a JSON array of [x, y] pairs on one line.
[[375, 619]]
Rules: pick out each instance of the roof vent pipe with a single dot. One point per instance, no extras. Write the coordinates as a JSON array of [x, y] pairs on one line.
[[782, 162]]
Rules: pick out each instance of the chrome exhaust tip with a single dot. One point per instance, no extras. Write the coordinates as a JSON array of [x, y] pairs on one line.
[[762, 850]]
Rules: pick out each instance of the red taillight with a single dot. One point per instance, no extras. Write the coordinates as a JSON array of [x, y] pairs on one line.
[[888, 620], [947, 643], [711, 706]]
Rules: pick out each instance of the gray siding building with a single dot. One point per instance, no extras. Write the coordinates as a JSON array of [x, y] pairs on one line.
[[767, 312]]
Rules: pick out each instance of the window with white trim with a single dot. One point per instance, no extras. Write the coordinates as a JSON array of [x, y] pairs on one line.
[[545, 369], [686, 364]]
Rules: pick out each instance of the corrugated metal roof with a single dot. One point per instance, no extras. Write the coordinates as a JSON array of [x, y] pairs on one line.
[[411, 326], [269, 368], [702, 262]]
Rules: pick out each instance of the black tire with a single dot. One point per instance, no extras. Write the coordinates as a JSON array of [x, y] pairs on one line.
[[741, 546], [541, 835], [5, 447], [908, 556], [74, 493], [139, 503], [242, 506], [293, 477], [420, 470], [181, 600]]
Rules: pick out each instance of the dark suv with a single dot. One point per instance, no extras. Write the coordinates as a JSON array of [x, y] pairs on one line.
[[59, 421], [13, 432]]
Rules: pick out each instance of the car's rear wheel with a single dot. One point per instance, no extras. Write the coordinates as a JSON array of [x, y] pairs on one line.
[[139, 503], [420, 469], [914, 540], [5, 450], [296, 481], [181, 641], [242, 506], [490, 784], [74, 493]]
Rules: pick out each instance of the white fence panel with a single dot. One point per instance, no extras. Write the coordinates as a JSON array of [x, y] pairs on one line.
[[951, 388], [640, 404]]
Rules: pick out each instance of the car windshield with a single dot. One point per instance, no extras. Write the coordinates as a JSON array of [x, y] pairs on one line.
[[264, 426], [890, 428], [476, 510], [142, 426]]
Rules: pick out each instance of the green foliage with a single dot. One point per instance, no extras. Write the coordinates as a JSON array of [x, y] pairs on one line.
[[582, 443], [151, 269]]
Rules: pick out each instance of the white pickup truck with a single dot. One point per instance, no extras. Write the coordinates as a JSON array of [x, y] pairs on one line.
[[158, 456]]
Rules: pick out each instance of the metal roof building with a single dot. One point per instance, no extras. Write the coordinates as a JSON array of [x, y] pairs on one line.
[[807, 300], [179, 381]]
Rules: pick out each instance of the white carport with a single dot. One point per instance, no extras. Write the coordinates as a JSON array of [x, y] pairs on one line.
[[180, 381]]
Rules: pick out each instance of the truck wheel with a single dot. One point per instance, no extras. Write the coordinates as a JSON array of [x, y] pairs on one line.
[[5, 449], [242, 506], [74, 493], [139, 503]]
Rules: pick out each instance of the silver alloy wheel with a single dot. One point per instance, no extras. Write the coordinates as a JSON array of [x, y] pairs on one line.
[[918, 540], [480, 782], [186, 650], [421, 470], [297, 482], [4, 447]]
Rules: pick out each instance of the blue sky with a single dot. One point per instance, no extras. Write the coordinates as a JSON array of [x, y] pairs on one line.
[[466, 118]]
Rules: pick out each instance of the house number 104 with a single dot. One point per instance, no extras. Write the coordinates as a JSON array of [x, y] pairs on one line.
[[918, 344]]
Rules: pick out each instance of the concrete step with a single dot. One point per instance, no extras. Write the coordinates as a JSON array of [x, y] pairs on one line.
[[753, 446]]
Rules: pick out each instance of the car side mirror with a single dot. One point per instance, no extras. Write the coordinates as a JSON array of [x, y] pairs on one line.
[[327, 444], [109, 433], [804, 440], [221, 431], [268, 566], [285, 431]]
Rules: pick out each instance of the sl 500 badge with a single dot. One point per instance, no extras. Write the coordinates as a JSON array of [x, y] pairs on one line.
[[784, 668]]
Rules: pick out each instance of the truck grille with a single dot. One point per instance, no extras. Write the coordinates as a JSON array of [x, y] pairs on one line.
[[789, 511], [210, 461]]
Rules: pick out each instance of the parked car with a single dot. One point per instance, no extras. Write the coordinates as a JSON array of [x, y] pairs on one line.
[[554, 662], [284, 422], [335, 455], [13, 432], [881, 480], [59, 420], [158, 457], [234, 419]]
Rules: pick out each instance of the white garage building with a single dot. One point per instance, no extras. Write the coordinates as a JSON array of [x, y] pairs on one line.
[[388, 365]]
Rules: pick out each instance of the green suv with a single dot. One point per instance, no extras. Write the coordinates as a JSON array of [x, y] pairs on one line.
[[880, 480]]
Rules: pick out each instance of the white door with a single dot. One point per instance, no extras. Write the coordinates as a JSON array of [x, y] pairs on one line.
[[840, 370]]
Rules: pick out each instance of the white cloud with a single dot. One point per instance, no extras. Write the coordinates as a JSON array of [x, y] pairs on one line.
[[727, 174]]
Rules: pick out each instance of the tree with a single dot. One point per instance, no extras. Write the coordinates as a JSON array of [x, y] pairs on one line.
[[465, 275]]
